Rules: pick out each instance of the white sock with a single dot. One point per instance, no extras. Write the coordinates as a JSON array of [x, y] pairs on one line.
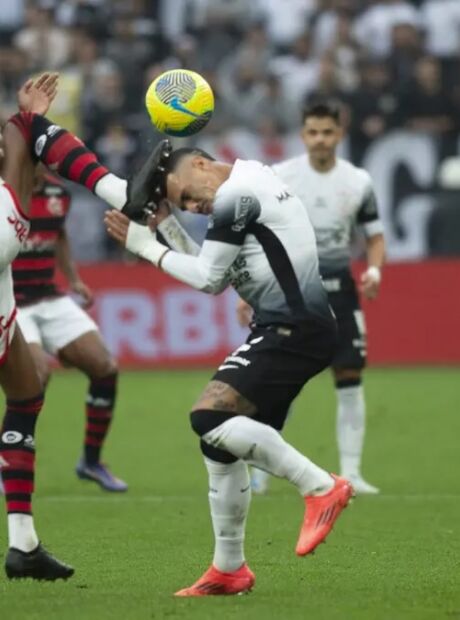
[[21, 532], [350, 428], [262, 446], [229, 499], [113, 190]]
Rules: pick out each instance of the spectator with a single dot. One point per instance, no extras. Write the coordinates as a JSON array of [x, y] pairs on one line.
[[372, 105], [13, 69], [104, 102], [286, 20], [428, 106], [328, 86], [298, 71], [373, 30], [441, 21], [47, 46], [407, 49]]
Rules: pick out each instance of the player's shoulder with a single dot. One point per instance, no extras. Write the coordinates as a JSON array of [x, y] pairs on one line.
[[240, 193], [355, 174], [247, 178]]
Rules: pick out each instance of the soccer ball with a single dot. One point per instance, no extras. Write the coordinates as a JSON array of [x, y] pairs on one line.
[[179, 102]]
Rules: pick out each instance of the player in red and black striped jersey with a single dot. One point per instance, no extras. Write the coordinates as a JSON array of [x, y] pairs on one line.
[[52, 322], [34, 267]]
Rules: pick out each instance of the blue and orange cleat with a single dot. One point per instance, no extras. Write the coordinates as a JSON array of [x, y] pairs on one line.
[[101, 474], [321, 512], [214, 583]]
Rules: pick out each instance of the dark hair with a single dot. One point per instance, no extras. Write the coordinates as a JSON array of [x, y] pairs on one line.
[[323, 109], [179, 154]]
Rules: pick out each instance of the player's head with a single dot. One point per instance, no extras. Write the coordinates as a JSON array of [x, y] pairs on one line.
[[192, 180], [322, 130]]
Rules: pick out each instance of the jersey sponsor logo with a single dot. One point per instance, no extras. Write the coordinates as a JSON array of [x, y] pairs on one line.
[[52, 190], [241, 213], [20, 228], [11, 437], [55, 206], [285, 195], [37, 244]]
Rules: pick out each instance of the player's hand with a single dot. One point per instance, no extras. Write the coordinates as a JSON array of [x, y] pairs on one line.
[[84, 291], [117, 225], [244, 313], [37, 95], [370, 283], [163, 211]]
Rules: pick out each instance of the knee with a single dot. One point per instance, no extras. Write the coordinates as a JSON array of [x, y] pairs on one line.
[[44, 375], [102, 368], [347, 377], [205, 420]]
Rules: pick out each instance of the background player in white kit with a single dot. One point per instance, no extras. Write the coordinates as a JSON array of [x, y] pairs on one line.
[[337, 196], [259, 240]]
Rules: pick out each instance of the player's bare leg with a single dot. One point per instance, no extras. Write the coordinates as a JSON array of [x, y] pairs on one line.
[[89, 354], [351, 420], [230, 439], [24, 398]]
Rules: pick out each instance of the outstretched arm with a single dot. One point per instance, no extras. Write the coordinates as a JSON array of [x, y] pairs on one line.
[[18, 169], [205, 272]]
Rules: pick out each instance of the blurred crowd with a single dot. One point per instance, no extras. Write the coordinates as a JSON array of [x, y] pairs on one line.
[[394, 63]]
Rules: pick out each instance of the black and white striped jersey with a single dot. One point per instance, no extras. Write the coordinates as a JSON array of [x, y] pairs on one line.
[[336, 201], [259, 240]]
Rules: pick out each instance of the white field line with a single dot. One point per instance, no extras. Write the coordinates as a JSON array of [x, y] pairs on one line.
[[190, 498]]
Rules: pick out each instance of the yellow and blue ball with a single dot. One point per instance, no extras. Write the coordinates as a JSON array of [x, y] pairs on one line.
[[180, 102]]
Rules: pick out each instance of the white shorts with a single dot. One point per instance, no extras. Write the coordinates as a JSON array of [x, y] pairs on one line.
[[7, 312], [54, 323]]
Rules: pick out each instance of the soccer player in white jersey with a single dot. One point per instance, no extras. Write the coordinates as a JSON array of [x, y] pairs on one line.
[[18, 377], [259, 240], [337, 196]]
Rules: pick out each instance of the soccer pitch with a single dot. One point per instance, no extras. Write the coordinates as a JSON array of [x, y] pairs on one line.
[[396, 555]]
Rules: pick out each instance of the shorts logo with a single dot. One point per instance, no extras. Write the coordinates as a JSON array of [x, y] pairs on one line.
[[10, 437], [40, 145], [21, 229]]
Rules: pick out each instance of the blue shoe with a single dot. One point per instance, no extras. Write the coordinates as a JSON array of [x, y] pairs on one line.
[[101, 474]]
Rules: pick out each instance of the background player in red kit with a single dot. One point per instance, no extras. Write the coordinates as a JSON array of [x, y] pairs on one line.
[[53, 323]]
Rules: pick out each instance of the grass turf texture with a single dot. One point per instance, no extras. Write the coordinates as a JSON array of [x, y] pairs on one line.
[[391, 556]]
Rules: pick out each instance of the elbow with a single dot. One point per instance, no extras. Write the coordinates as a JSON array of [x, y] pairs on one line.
[[214, 288]]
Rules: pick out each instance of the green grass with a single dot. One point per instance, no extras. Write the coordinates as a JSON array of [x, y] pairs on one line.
[[392, 556]]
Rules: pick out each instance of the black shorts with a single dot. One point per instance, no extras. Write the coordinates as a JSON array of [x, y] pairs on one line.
[[344, 301], [275, 363]]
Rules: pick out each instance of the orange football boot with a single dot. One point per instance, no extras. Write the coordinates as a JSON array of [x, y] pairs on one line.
[[215, 582], [321, 512]]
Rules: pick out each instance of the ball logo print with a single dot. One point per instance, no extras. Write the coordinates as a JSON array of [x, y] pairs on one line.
[[180, 102]]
